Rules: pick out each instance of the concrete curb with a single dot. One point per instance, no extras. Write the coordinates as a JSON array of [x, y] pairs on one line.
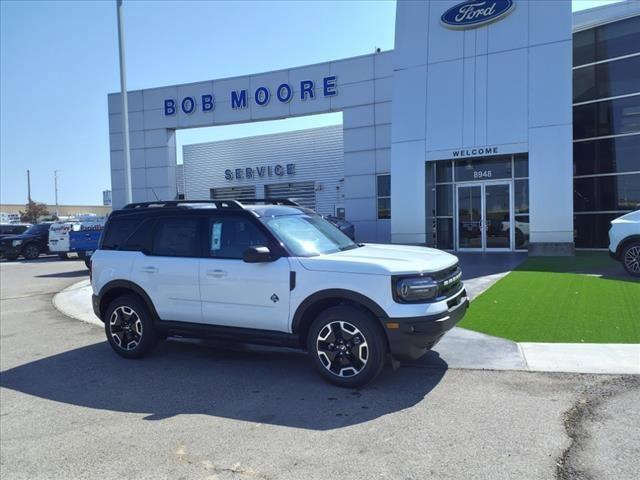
[[75, 302], [460, 348]]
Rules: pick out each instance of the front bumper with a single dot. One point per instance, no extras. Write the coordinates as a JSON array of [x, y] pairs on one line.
[[411, 337], [10, 251]]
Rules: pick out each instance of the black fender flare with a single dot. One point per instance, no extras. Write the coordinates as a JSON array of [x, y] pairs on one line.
[[128, 285], [335, 293], [623, 243]]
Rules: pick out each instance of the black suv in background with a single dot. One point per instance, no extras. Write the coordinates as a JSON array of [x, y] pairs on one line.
[[13, 228], [30, 244]]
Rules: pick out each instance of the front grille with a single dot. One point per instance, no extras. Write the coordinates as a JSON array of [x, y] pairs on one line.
[[451, 283], [444, 274]]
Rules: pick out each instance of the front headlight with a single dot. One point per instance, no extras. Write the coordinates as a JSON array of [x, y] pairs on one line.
[[416, 289], [15, 243]]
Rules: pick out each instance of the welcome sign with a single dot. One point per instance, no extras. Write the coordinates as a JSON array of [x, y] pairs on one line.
[[475, 13]]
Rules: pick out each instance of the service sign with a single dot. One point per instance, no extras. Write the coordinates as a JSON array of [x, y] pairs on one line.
[[475, 13]]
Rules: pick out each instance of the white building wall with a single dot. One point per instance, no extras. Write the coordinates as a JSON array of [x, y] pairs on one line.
[[364, 97], [505, 84], [316, 153]]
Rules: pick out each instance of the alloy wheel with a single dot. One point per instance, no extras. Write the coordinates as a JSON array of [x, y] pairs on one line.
[[125, 328], [31, 252], [632, 259], [342, 349]]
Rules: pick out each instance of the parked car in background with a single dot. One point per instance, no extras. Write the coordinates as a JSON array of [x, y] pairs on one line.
[[13, 228], [270, 272], [84, 238], [75, 236], [624, 241], [30, 244], [343, 225], [59, 238]]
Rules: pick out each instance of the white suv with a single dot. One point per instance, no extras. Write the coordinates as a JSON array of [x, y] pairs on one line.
[[270, 273], [624, 241]]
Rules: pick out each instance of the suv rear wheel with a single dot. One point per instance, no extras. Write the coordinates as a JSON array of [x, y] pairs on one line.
[[129, 327], [347, 346], [631, 258], [31, 251]]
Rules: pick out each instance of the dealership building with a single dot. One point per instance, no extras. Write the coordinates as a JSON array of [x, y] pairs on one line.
[[493, 125]]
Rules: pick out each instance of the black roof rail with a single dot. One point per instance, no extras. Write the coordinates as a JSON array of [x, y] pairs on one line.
[[226, 204], [270, 201]]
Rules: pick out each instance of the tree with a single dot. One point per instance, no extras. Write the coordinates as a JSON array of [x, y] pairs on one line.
[[34, 211]]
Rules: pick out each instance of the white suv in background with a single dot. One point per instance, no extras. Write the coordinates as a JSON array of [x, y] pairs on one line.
[[624, 241], [270, 272]]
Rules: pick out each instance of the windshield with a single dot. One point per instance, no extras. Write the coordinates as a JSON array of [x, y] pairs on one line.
[[308, 235], [37, 229]]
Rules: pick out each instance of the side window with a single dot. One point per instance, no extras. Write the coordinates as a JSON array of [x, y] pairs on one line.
[[176, 237], [231, 236], [118, 231], [141, 240]]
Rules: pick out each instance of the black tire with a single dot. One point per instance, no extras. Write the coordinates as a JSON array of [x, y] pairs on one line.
[[339, 339], [126, 328], [11, 258], [31, 251], [87, 262], [63, 256], [631, 258]]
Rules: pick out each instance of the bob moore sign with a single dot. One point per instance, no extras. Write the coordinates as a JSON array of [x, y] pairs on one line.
[[239, 99], [475, 13]]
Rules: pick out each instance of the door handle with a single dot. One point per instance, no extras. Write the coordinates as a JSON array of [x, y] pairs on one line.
[[150, 269], [216, 273]]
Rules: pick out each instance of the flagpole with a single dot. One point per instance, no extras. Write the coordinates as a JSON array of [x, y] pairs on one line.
[[125, 106]]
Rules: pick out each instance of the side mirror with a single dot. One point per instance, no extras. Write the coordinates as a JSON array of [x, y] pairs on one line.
[[257, 254]]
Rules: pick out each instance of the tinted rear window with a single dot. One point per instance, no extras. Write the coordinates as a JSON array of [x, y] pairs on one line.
[[118, 231], [176, 237]]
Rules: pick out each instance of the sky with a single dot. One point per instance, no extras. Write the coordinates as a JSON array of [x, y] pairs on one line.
[[59, 60]]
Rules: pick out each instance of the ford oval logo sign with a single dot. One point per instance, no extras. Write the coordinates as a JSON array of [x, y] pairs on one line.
[[474, 13]]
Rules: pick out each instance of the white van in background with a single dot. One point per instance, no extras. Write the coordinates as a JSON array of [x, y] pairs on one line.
[[59, 238], [61, 233]]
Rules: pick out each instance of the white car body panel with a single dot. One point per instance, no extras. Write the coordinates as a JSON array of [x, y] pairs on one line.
[[173, 285], [248, 295], [623, 227]]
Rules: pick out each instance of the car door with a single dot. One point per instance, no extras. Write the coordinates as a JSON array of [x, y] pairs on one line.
[[236, 293], [169, 272]]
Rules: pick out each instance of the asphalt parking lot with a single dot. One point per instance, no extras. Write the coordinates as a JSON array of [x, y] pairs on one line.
[[70, 408]]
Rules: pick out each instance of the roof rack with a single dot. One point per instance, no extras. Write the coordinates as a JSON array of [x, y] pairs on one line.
[[226, 204], [221, 204], [270, 201]]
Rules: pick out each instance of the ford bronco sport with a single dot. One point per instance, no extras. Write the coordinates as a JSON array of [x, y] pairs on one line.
[[270, 272]]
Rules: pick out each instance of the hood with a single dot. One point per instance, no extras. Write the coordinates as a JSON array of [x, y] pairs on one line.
[[379, 259], [631, 217], [21, 236]]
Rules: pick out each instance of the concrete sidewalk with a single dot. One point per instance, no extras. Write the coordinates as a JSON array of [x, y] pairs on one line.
[[460, 348]]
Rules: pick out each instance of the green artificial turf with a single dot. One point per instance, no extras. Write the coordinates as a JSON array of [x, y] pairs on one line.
[[586, 298]]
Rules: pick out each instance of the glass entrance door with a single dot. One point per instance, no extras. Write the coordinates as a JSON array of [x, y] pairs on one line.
[[484, 216], [470, 217], [497, 214]]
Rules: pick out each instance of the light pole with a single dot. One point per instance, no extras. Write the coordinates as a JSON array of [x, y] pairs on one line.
[[125, 106], [55, 185]]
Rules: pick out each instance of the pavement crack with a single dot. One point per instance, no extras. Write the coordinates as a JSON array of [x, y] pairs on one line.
[[586, 408]]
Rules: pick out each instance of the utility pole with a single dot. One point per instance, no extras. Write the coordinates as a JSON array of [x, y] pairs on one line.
[[125, 106], [55, 184], [28, 186]]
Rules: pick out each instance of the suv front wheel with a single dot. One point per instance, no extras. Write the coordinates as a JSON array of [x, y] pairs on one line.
[[31, 251], [631, 258], [347, 346], [129, 327]]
